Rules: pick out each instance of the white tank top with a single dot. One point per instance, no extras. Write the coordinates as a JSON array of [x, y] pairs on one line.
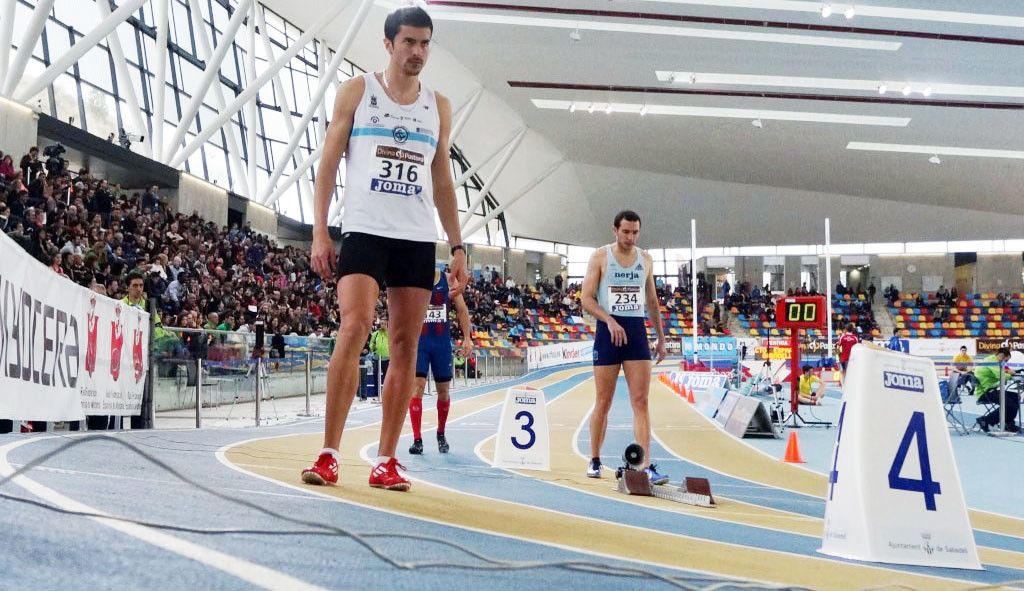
[[389, 190], [623, 290]]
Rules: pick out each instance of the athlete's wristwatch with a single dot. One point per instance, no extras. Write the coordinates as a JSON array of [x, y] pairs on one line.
[[458, 247]]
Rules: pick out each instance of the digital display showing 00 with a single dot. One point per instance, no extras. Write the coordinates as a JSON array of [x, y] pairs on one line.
[[800, 312]]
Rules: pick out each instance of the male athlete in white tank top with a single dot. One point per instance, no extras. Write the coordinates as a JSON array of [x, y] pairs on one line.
[[394, 135], [617, 290]]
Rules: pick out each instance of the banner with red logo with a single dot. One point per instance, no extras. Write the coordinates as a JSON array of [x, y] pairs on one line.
[[65, 351]]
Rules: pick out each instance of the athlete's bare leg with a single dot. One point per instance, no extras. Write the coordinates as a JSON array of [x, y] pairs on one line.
[[406, 308], [421, 387], [638, 379], [357, 298], [443, 391], [605, 377]]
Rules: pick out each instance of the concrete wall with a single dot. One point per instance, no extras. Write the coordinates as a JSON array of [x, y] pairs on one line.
[[999, 272], [481, 256], [198, 195], [263, 219], [749, 269], [19, 129], [517, 266], [550, 265], [912, 269]]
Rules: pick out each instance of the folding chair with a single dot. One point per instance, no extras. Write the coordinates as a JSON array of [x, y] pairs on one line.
[[951, 402]]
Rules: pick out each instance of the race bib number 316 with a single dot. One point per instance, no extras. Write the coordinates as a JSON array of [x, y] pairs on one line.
[[398, 171], [623, 298]]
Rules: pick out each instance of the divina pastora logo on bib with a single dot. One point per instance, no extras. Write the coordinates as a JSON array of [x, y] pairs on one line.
[[903, 381], [400, 134]]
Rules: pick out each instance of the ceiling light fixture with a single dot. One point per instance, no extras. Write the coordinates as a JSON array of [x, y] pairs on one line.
[[826, 10], [590, 109], [572, 107], [890, 12], [927, 91], [882, 88], [693, 78], [574, 35], [667, 30], [840, 84], [850, 13], [608, 109], [936, 150], [757, 123], [643, 110], [748, 114], [935, 159], [907, 90]]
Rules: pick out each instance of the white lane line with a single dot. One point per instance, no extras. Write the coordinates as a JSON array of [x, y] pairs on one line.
[[255, 574]]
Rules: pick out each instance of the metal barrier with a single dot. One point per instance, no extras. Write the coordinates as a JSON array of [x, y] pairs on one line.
[[199, 369]]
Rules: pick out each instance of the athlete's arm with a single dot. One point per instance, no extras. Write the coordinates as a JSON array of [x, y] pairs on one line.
[[588, 297], [462, 314], [335, 144], [444, 197], [654, 310]]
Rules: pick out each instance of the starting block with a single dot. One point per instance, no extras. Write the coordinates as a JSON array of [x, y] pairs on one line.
[[693, 491]]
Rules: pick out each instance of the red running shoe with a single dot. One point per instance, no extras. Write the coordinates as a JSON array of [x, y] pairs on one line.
[[386, 476], [324, 471]]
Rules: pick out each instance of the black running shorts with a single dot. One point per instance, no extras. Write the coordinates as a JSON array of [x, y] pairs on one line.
[[390, 261]]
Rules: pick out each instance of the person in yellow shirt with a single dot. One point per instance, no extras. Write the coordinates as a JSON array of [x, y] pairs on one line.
[[963, 369], [812, 389]]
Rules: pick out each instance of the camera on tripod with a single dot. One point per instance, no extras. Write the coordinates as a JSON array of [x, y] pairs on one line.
[[125, 138], [55, 165]]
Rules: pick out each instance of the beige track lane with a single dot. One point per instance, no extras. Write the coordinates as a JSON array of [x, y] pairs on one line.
[[567, 468], [282, 458], [571, 409], [692, 436]]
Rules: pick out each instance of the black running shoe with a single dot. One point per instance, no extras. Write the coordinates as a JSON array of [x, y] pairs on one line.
[[982, 424], [442, 443], [417, 447]]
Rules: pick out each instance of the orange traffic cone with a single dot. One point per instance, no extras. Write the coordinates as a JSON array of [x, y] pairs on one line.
[[682, 392], [793, 450], [689, 397]]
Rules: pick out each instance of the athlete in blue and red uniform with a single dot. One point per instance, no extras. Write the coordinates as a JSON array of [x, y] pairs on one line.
[[434, 355]]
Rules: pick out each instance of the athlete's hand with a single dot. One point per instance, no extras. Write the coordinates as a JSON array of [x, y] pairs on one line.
[[618, 333], [459, 273], [660, 351], [466, 349], [322, 255]]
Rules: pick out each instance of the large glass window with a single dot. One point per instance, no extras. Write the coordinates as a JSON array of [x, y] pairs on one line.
[[85, 95]]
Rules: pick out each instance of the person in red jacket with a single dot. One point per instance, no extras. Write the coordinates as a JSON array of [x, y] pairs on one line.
[[846, 343]]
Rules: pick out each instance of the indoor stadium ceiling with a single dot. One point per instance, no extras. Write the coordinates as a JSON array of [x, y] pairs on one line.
[[767, 93]]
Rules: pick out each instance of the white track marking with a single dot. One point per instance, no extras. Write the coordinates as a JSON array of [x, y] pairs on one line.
[[254, 574]]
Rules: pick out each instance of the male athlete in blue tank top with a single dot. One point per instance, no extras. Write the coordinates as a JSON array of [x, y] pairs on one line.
[[619, 291]]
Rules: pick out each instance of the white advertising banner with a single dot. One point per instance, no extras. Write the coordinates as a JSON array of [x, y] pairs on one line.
[[941, 347], [894, 490], [699, 380], [559, 354], [65, 351]]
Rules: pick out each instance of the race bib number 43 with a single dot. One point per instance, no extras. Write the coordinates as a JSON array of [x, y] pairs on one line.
[[623, 298], [398, 171], [437, 314]]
